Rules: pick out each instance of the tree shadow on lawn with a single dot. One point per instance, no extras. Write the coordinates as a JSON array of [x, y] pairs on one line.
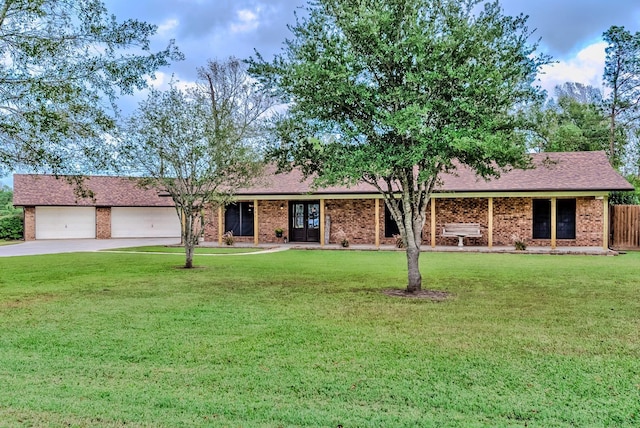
[[434, 295]]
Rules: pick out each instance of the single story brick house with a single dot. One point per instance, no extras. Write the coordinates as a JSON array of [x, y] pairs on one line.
[[563, 201]]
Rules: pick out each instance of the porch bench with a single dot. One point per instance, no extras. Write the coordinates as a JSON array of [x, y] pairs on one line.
[[461, 231]]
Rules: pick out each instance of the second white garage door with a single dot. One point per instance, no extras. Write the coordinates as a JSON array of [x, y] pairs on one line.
[[128, 222]]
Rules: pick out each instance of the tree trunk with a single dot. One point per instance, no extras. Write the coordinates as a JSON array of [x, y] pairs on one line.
[[413, 269], [612, 136], [414, 240], [188, 248], [187, 239]]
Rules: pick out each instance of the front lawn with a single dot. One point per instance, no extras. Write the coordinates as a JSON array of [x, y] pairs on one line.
[[307, 338]]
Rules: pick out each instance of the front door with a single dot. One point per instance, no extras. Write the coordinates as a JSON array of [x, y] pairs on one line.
[[304, 221]]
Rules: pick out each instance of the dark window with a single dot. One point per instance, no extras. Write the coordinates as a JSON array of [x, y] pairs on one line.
[[238, 218], [541, 219], [565, 219], [390, 226]]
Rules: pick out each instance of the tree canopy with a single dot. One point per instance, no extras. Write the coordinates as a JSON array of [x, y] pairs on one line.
[[65, 62], [393, 92], [575, 121], [622, 76], [199, 144]]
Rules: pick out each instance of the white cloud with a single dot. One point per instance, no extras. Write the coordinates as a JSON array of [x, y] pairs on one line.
[[167, 27], [586, 67], [159, 80], [247, 20]]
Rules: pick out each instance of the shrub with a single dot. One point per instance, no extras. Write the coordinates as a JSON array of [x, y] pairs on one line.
[[341, 237], [227, 237], [519, 243], [627, 198], [11, 227]]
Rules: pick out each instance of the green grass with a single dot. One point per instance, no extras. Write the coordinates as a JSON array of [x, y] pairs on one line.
[[198, 250], [3, 242], [307, 338]]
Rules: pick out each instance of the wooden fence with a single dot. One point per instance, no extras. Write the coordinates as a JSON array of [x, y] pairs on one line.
[[625, 227]]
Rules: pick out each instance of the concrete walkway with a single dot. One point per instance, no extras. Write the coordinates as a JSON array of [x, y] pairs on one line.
[[249, 253]]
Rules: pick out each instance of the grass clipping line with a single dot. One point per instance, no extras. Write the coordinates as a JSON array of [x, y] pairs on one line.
[[435, 295]]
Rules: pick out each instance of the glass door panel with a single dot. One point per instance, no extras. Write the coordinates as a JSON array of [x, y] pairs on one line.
[[304, 221]]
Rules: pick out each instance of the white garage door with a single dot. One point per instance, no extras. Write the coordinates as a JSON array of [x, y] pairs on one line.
[[65, 222], [128, 222]]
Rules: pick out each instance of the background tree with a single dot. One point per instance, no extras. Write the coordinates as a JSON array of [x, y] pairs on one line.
[[199, 145], [64, 63], [393, 92], [622, 77], [577, 119], [574, 121]]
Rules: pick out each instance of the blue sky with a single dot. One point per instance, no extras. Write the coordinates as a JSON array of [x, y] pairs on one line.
[[570, 31]]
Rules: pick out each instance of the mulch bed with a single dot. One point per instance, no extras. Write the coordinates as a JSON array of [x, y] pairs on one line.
[[434, 295]]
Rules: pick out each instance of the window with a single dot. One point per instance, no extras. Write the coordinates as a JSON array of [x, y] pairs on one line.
[[238, 218], [390, 226], [541, 219], [565, 219]]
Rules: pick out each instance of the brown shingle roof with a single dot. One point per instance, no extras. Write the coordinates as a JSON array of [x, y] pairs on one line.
[[32, 190], [575, 171], [566, 171], [570, 171]]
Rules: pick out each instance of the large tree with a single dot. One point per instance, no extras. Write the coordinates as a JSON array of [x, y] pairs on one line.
[[394, 92], [622, 76], [575, 121], [64, 63], [199, 145]]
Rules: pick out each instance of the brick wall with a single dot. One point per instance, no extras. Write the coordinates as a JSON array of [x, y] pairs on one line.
[[355, 217], [589, 218], [211, 224], [461, 210], [511, 217], [271, 216], [29, 223], [426, 232], [514, 216], [103, 223]]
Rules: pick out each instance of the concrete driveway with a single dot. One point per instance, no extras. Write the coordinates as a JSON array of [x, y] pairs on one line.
[[56, 246]]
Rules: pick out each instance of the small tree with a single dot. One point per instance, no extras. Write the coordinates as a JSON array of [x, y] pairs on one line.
[[198, 145], [64, 64], [392, 92]]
